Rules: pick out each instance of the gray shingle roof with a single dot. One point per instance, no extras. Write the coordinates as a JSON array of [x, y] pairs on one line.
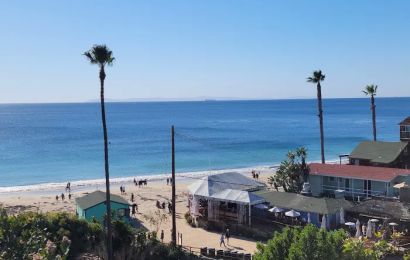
[[97, 197], [299, 202], [378, 152]]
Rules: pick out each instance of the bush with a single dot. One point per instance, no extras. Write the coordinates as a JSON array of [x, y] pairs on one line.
[[61, 235], [303, 244]]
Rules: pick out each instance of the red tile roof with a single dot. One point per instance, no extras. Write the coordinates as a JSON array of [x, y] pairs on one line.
[[357, 172]]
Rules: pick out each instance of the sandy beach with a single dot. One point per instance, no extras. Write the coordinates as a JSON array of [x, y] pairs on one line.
[[145, 197]]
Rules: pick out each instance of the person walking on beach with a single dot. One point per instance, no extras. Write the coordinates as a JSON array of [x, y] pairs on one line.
[[222, 240], [227, 235], [56, 197], [162, 236], [132, 197], [169, 207], [62, 196], [167, 181]]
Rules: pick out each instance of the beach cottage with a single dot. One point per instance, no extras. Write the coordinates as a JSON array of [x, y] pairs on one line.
[[356, 181], [311, 209], [92, 206], [224, 197], [384, 154]]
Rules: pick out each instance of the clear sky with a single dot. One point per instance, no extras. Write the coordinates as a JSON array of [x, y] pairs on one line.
[[213, 48]]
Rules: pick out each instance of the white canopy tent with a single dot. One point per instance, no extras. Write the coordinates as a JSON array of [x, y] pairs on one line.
[[230, 187]]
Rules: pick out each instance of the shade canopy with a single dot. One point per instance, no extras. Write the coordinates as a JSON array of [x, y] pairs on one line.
[[238, 196], [393, 224], [374, 220], [292, 214], [350, 224], [213, 184], [276, 210]]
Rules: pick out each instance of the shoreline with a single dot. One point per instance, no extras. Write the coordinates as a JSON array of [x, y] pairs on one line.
[[100, 183]]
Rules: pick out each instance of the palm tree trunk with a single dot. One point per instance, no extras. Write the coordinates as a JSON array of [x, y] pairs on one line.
[[319, 104], [374, 118], [107, 174]]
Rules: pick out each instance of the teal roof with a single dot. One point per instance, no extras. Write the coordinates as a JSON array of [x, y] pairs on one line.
[[302, 203], [378, 152], [97, 197]]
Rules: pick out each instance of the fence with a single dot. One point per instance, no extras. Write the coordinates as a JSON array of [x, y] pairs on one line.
[[212, 253]]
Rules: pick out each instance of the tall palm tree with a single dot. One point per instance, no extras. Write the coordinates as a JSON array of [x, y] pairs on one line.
[[370, 90], [102, 56], [316, 78], [301, 152]]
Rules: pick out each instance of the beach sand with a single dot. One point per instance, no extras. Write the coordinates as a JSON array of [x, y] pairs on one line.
[[145, 197]]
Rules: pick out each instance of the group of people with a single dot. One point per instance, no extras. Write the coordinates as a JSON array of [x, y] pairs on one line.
[[140, 183], [162, 206], [255, 174], [63, 196], [122, 190], [224, 236], [67, 189], [169, 181]]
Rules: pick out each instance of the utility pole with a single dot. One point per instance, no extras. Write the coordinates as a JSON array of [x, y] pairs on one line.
[[174, 225]]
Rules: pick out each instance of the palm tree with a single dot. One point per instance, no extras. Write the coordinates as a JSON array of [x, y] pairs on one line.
[[316, 78], [101, 55], [370, 90], [301, 152]]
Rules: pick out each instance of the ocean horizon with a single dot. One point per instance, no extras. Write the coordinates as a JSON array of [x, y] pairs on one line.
[[56, 143]]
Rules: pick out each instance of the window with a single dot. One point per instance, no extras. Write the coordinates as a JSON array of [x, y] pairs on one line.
[[332, 179], [347, 184]]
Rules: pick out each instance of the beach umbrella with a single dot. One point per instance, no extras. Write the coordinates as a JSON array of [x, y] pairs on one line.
[[342, 216], [373, 220], [323, 225], [369, 231], [261, 206], [358, 230], [350, 224], [392, 224], [276, 210], [292, 214], [309, 220]]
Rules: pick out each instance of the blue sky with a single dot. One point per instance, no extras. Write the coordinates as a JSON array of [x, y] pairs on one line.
[[186, 49]]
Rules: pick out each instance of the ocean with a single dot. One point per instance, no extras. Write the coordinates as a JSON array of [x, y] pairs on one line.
[[56, 143]]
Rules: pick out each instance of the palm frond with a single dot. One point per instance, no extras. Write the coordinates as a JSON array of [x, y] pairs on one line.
[[100, 54], [316, 77]]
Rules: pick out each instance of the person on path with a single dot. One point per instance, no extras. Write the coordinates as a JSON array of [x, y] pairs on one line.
[[162, 236], [222, 240], [227, 235]]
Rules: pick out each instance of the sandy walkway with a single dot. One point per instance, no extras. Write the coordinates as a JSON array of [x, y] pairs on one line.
[[146, 197]]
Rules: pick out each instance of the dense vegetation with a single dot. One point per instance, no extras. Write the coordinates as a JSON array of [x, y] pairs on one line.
[[292, 172], [64, 236], [314, 243]]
